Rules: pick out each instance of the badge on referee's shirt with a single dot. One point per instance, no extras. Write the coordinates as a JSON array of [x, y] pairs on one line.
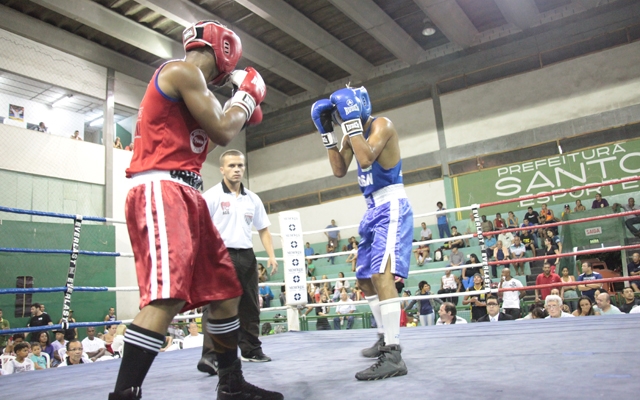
[[248, 218], [226, 205]]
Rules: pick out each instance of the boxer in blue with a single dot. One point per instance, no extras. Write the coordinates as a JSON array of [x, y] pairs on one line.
[[386, 229]]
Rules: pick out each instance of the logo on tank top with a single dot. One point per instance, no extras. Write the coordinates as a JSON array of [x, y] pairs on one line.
[[365, 180], [198, 141]]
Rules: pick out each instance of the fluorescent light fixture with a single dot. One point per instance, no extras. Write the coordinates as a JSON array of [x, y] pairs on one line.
[[429, 30], [61, 101], [96, 122]]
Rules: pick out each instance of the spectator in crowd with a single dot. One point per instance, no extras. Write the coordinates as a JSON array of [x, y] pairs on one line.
[[485, 225], [585, 308], [108, 338], [344, 307], [469, 272], [550, 249], [129, 147], [493, 312], [630, 300], [263, 276], [71, 333], [449, 315], [456, 258], [531, 216], [353, 257], [545, 278], [357, 293], [283, 295], [194, 338], [547, 214], [553, 305], [512, 220], [42, 128], [57, 345], [313, 289], [442, 220], [476, 301], [330, 249], [536, 304], [458, 243], [311, 269], [490, 242], [333, 236], [579, 207], [326, 288], [633, 268], [499, 253], [499, 223], [518, 251], [471, 228], [308, 250], [38, 318], [631, 220], [526, 223], [566, 212], [267, 295], [399, 282], [604, 306], [76, 135], [599, 202], [93, 346], [350, 242], [449, 283], [528, 240], [75, 354], [568, 293], [322, 323], [42, 308], [539, 313], [425, 312], [39, 361], [111, 315], [510, 299], [118, 341], [339, 286], [15, 339], [425, 233], [590, 290], [45, 343], [555, 239], [4, 324], [506, 238], [117, 144], [21, 363], [422, 254]]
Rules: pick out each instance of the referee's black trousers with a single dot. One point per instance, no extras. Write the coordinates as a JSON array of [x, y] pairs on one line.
[[244, 260]]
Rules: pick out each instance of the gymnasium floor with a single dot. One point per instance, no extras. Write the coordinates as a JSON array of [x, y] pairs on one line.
[[582, 358]]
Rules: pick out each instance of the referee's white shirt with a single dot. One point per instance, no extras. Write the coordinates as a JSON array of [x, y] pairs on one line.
[[233, 216]]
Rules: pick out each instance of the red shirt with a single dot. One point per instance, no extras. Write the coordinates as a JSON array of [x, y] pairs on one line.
[[544, 280], [167, 136]]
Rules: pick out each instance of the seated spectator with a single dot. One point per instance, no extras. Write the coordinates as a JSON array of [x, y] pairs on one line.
[[493, 312], [449, 315], [585, 308], [425, 233], [39, 361], [422, 254], [555, 239], [476, 301], [117, 144], [57, 345], [308, 251], [76, 135], [532, 307], [553, 305], [118, 341], [311, 269], [469, 272], [111, 315], [42, 128], [511, 298], [539, 313], [456, 258], [590, 290], [531, 216], [399, 282], [353, 257], [532, 232], [579, 207], [344, 307], [633, 268], [350, 242], [194, 338], [499, 253], [485, 225], [457, 243], [604, 306], [45, 343], [14, 340], [426, 314], [266, 295], [550, 249], [506, 238], [450, 283], [21, 363], [358, 294], [339, 286], [330, 249], [326, 288], [547, 214], [630, 300], [599, 202], [631, 220], [568, 293], [566, 212], [75, 354], [71, 333], [263, 276], [499, 223], [518, 251], [490, 242], [93, 346], [512, 220], [322, 323], [545, 278], [108, 338]]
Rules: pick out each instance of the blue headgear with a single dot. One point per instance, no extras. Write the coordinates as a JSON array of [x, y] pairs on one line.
[[362, 93]]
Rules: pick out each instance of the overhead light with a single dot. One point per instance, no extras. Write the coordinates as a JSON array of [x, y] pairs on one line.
[[429, 28], [96, 122], [61, 101]]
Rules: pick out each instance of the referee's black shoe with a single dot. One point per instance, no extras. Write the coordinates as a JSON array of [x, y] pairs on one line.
[[209, 364]]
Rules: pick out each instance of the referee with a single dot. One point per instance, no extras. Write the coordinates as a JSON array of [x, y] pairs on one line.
[[234, 211]]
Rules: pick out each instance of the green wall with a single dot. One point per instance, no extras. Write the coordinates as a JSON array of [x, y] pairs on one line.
[[124, 135], [50, 270]]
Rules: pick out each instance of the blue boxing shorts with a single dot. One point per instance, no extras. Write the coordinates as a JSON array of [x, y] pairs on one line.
[[386, 233]]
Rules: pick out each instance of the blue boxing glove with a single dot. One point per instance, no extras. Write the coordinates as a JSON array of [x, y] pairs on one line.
[[321, 115], [349, 107]]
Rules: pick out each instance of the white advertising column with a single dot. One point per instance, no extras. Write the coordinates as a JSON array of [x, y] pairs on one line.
[[295, 277]]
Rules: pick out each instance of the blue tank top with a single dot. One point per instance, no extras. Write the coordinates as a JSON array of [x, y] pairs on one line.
[[376, 177]]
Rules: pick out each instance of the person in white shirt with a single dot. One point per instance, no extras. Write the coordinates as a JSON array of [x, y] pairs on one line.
[[344, 307], [448, 315], [517, 250], [425, 233], [21, 363], [93, 346], [75, 354], [553, 305], [194, 338], [511, 299], [604, 306], [506, 238]]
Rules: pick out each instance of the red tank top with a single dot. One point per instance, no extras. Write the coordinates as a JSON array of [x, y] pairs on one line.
[[167, 136]]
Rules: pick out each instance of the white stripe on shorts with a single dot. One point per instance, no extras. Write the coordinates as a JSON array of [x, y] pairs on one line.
[[392, 234], [164, 245], [153, 278]]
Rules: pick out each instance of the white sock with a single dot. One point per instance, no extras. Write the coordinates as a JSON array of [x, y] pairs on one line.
[[374, 304], [391, 320]]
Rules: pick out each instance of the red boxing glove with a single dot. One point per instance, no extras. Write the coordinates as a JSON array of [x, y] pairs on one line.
[[249, 90], [256, 117]]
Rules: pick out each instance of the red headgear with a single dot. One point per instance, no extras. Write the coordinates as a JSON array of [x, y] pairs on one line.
[[225, 43]]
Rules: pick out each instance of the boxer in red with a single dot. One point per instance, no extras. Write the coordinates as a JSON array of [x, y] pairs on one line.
[[181, 261]]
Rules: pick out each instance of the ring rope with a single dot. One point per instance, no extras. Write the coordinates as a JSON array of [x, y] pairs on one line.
[[61, 251], [64, 288], [574, 283], [570, 254], [58, 215]]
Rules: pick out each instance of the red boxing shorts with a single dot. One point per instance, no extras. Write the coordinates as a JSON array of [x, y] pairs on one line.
[[178, 252]]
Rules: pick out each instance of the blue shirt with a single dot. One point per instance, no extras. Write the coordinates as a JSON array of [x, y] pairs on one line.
[[442, 218], [308, 251], [593, 276], [490, 242]]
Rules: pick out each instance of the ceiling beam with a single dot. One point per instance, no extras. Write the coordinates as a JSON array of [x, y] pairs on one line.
[[451, 20], [522, 13], [378, 24], [185, 13], [301, 28], [115, 25], [47, 34]]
